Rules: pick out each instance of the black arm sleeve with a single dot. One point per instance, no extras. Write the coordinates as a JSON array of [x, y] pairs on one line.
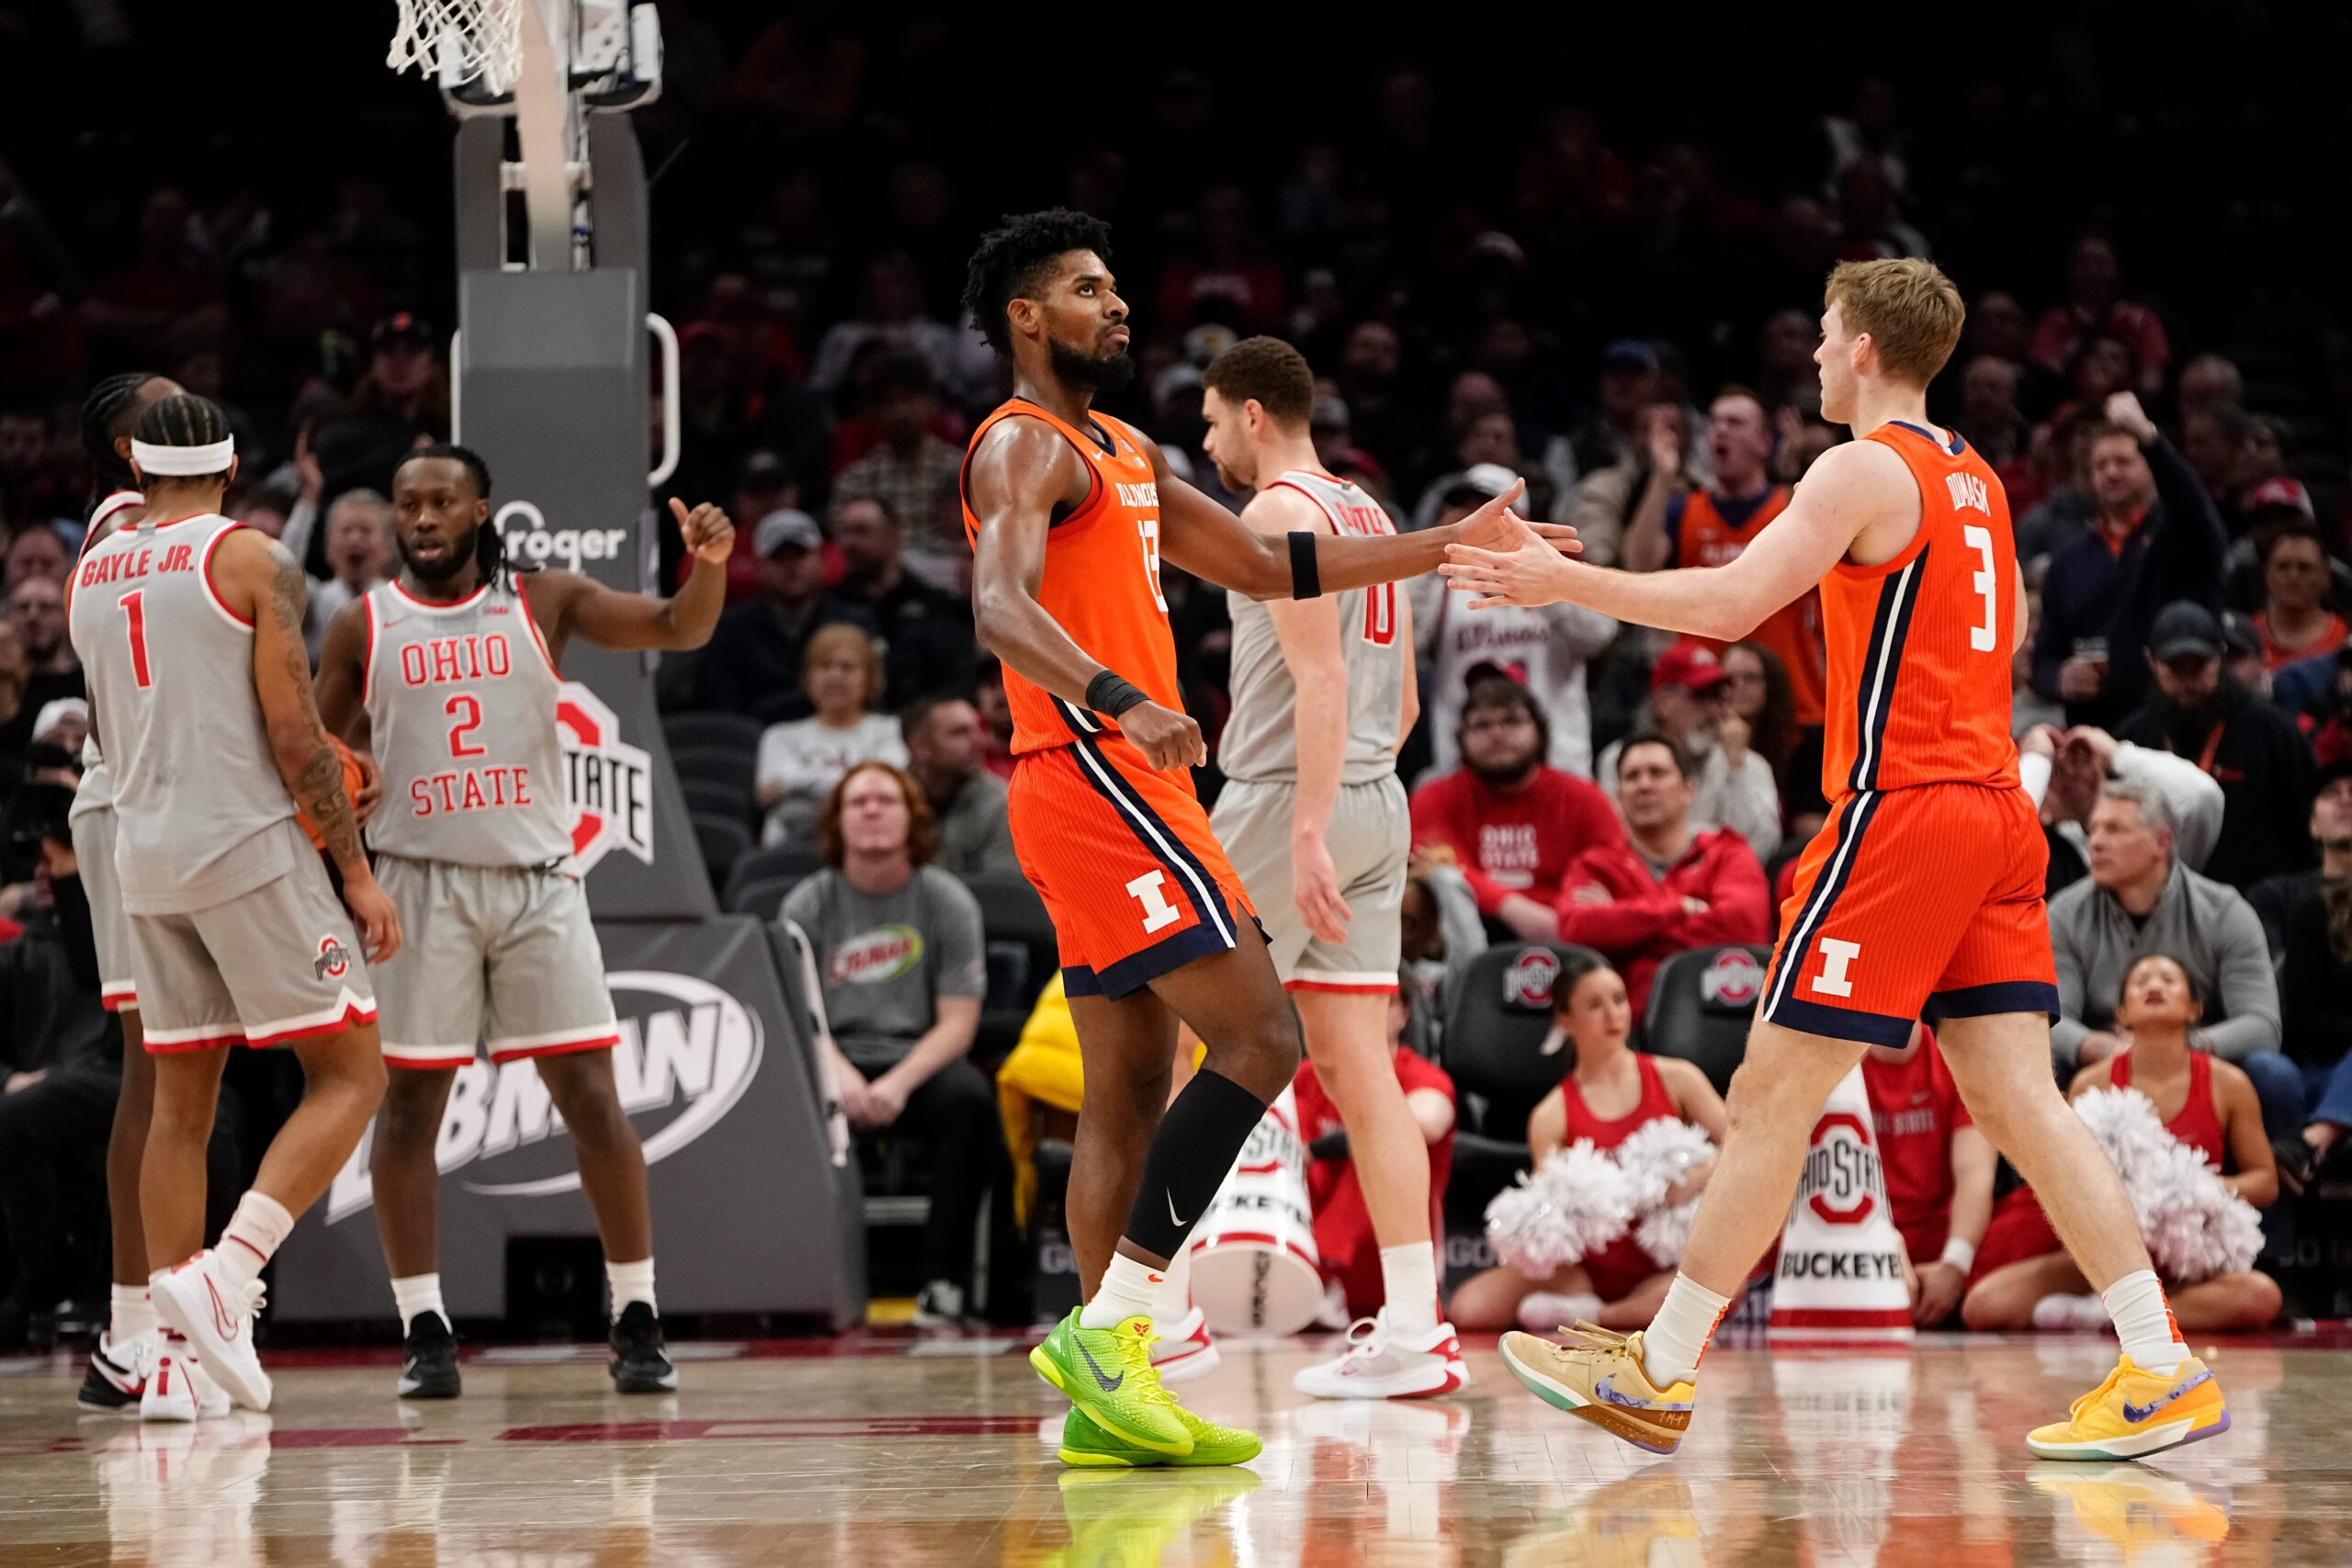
[[2191, 547]]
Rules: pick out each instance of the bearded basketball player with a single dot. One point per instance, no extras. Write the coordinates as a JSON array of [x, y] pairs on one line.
[[448, 673], [189, 627], [1922, 895], [1069, 513]]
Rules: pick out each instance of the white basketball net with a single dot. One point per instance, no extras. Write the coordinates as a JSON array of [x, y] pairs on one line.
[[484, 37]]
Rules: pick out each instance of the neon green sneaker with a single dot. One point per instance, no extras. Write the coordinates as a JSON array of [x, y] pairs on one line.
[[1123, 1521], [1087, 1446], [1108, 1374]]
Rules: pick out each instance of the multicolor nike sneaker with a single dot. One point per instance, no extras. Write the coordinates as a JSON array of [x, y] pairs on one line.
[[1602, 1381], [2134, 1414], [1089, 1447], [1107, 1373]]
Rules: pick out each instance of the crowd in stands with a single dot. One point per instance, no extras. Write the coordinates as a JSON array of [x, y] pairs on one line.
[[1624, 317]]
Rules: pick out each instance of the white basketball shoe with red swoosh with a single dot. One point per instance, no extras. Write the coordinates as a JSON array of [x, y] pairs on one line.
[[216, 1314], [1383, 1364], [1184, 1349]]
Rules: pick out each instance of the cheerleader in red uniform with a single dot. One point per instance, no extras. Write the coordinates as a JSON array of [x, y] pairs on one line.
[[2023, 1278], [1611, 1091]]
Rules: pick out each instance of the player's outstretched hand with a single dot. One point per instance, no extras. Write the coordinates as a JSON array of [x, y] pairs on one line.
[[1489, 528], [1169, 740], [371, 910], [1315, 888], [1528, 568], [708, 533]]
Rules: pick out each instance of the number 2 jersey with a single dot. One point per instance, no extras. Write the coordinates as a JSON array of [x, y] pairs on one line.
[[1919, 684], [1102, 578], [461, 711]]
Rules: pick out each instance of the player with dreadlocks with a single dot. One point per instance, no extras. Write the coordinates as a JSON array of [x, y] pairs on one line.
[[448, 673]]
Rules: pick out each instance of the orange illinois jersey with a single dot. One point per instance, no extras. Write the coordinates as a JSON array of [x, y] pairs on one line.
[[1102, 578], [1920, 645], [1705, 536]]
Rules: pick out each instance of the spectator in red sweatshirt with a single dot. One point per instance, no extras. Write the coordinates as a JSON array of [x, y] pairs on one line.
[[1668, 889], [1510, 821]]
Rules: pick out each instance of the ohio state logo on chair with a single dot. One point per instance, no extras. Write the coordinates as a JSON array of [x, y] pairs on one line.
[[1839, 1276]]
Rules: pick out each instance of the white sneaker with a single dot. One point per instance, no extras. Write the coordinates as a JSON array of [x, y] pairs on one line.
[[177, 1389], [1184, 1349], [117, 1378], [216, 1316], [1381, 1363]]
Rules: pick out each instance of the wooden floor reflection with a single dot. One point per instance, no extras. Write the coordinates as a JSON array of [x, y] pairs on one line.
[[943, 1457]]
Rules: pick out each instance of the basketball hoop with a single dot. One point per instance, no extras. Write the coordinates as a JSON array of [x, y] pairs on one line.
[[481, 38]]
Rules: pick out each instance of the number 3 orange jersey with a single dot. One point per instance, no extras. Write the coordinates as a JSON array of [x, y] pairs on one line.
[[1920, 646], [1102, 578]]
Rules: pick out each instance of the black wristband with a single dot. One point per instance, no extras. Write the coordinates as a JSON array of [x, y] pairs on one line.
[[1111, 694], [1306, 576]]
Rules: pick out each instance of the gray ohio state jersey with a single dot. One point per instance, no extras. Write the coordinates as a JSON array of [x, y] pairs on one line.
[[170, 668], [461, 705], [1260, 740]]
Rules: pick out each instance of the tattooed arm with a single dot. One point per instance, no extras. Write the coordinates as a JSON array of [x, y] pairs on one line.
[[257, 579]]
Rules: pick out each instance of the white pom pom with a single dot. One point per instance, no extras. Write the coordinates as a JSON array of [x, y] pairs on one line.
[[1655, 1157], [1573, 1206], [2194, 1226]]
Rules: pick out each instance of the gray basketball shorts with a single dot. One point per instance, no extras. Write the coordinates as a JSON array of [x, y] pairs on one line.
[[94, 851], [270, 967], [505, 955], [1370, 840]]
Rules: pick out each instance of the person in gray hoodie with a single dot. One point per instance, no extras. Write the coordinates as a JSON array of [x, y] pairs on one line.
[[2140, 899]]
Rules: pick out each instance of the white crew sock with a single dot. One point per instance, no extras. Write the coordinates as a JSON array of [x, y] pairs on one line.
[[1543, 1310], [1408, 1286], [129, 1313], [416, 1293], [1174, 1300], [252, 1236], [631, 1283], [2144, 1321], [1128, 1289], [1677, 1336]]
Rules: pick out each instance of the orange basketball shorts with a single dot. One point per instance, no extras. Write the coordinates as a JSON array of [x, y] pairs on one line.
[[1123, 856], [1915, 903]]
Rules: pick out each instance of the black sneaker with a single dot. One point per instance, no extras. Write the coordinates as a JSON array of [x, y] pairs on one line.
[[429, 1359], [118, 1375], [639, 1363], [940, 1305]]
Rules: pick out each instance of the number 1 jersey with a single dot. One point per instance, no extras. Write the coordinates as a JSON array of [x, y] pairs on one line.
[[1102, 578], [1920, 646]]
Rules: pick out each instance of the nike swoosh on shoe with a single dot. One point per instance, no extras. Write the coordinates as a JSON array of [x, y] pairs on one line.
[[2135, 1414], [1109, 1385]]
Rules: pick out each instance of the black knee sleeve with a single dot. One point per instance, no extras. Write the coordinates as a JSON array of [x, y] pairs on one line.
[[1189, 1158]]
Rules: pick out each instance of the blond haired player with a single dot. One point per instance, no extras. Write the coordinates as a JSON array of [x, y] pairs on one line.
[[1315, 823], [1922, 895]]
